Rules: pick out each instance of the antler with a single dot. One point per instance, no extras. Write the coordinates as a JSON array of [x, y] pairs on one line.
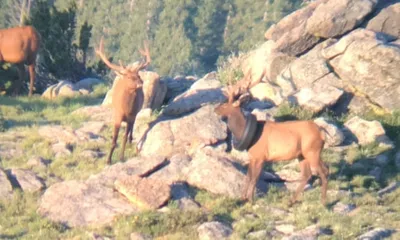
[[100, 51], [145, 53]]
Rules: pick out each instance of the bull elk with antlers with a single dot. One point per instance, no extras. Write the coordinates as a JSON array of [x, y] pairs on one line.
[[127, 96], [20, 45], [274, 141]]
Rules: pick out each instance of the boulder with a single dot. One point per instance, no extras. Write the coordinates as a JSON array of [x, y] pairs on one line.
[[61, 89], [6, 189], [201, 128], [368, 63], [87, 83], [342, 208], [386, 21], [145, 193], [366, 132], [180, 194], [177, 85], [215, 173], [213, 231], [316, 98], [290, 33], [79, 204], [334, 18], [310, 67], [334, 136], [171, 172], [205, 91], [27, 180]]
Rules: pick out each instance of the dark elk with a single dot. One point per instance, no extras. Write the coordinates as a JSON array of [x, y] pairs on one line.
[[274, 141], [127, 96], [19, 46]]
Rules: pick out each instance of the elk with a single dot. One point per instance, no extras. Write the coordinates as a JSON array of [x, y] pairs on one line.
[[276, 141], [19, 46], [127, 96]]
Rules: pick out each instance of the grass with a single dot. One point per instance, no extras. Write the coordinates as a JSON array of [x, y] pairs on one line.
[[350, 173]]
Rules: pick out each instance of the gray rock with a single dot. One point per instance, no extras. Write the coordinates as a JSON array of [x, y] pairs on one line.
[[36, 161], [369, 64], [262, 234], [67, 135], [213, 231], [342, 208], [367, 132], [215, 173], [310, 67], [87, 83], [285, 228], [172, 171], [309, 233], [144, 193], [180, 193], [386, 21], [79, 204], [91, 154], [290, 33], [5, 186], [140, 236], [204, 92], [177, 85], [27, 180], [92, 127], [184, 135], [61, 149], [133, 167], [390, 188], [376, 234], [334, 136], [316, 98], [334, 18]]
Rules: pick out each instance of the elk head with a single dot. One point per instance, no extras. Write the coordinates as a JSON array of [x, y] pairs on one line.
[[130, 73], [231, 93]]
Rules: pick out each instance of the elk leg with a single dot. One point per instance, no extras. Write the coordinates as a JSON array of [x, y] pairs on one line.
[[305, 176], [31, 78], [114, 141], [255, 166], [21, 76], [323, 172], [129, 127], [246, 184]]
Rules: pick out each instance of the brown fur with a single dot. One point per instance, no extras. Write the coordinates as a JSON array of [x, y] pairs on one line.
[[20, 45], [280, 141], [127, 98]]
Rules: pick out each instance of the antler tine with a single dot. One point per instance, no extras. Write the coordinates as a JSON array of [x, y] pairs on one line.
[[145, 53], [100, 51]]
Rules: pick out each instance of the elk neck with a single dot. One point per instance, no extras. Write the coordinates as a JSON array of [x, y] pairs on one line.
[[237, 123]]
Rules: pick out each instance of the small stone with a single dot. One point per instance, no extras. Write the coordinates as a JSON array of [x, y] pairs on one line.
[[61, 149], [390, 188], [213, 230], [37, 162], [376, 234], [342, 208], [139, 236], [90, 154], [262, 234], [27, 180], [285, 228]]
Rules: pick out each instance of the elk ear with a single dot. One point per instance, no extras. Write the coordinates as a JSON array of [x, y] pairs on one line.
[[243, 98]]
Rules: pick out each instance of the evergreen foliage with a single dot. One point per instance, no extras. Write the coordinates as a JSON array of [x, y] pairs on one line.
[[185, 36]]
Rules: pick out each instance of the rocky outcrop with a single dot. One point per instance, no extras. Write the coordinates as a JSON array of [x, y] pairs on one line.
[[69, 89], [203, 92], [213, 230], [27, 180], [334, 18], [367, 62], [186, 134], [386, 21]]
